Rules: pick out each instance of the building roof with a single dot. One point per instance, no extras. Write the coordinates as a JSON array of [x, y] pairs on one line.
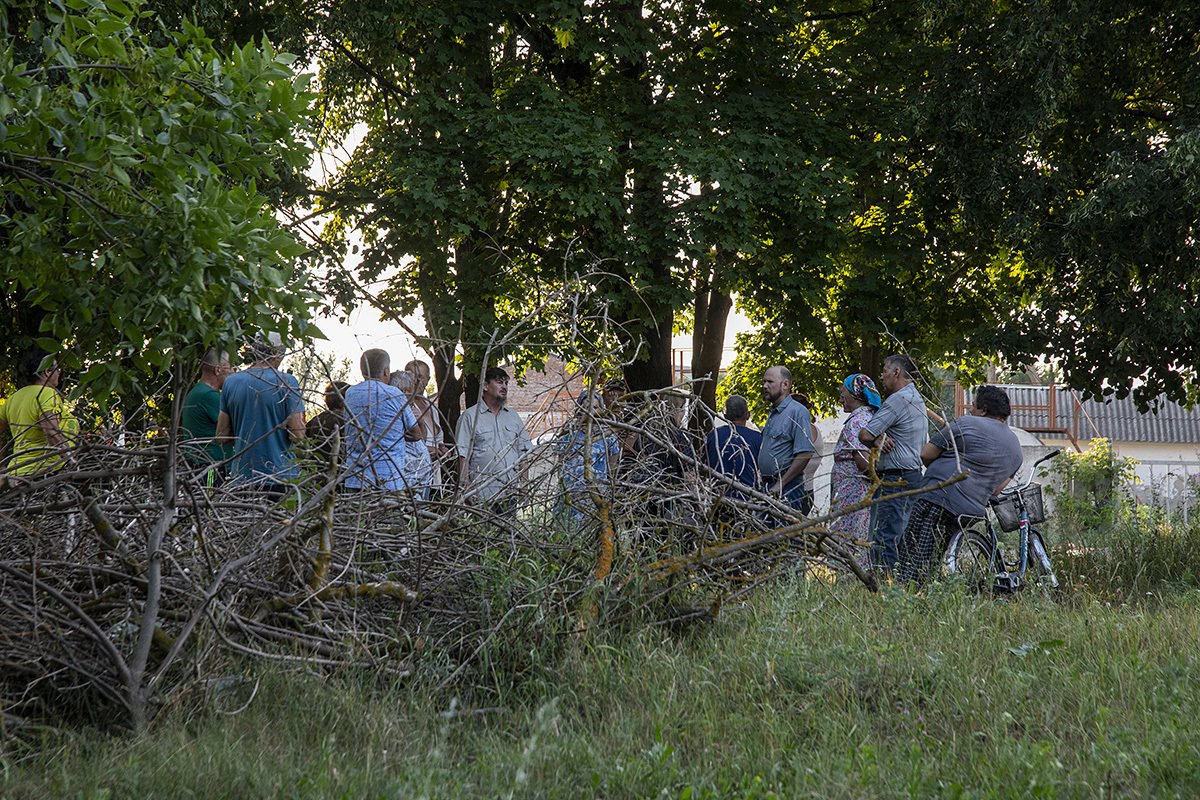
[[1118, 420]]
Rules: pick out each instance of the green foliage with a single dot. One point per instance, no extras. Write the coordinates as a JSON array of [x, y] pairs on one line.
[[1068, 133], [1138, 553], [681, 147], [1092, 487], [135, 221]]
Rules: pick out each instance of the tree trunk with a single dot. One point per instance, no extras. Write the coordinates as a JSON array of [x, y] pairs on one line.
[[870, 359], [653, 372], [708, 340]]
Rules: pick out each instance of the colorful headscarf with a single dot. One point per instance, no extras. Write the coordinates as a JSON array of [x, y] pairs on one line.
[[862, 387]]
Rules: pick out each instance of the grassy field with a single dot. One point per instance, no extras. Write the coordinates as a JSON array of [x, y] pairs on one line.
[[809, 690]]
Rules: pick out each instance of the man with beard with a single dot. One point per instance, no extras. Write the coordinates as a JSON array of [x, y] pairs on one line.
[[786, 441]]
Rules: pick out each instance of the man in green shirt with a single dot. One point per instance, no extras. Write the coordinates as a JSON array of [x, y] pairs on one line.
[[198, 420]]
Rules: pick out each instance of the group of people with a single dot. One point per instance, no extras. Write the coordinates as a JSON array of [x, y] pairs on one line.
[[890, 480], [382, 433], [884, 447]]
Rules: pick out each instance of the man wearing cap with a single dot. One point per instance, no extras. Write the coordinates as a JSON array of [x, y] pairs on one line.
[[198, 418], [262, 414]]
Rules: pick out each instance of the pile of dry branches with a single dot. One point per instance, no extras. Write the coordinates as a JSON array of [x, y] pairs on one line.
[[126, 583]]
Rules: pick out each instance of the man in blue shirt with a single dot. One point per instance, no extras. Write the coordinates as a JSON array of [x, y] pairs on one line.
[[262, 414], [786, 441], [733, 449], [378, 421]]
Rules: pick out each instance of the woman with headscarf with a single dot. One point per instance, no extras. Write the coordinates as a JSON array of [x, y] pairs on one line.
[[848, 478]]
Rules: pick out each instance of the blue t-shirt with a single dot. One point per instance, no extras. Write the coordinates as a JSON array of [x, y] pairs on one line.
[[377, 415], [788, 433], [733, 450], [573, 445], [258, 401]]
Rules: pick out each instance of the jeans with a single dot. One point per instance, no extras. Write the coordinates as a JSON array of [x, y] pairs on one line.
[[890, 517]]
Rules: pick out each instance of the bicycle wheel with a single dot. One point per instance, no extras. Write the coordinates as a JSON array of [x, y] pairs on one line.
[[1041, 569], [971, 556]]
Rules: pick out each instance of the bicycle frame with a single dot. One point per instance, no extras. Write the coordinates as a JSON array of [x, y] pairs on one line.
[[1015, 578]]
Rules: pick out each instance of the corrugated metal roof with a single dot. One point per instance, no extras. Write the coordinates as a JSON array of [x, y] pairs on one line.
[[1118, 420]]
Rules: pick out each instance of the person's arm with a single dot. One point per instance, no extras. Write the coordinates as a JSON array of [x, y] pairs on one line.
[[524, 445], [802, 450], [795, 469], [295, 419], [55, 438], [938, 444], [295, 426], [874, 433], [861, 461], [463, 433], [224, 428], [414, 425]]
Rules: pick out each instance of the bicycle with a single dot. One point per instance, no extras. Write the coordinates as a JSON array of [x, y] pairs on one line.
[[977, 554]]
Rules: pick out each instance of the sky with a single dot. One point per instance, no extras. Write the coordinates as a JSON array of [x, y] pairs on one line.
[[365, 329]]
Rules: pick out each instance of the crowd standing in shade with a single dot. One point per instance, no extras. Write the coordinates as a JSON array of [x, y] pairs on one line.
[[392, 440]]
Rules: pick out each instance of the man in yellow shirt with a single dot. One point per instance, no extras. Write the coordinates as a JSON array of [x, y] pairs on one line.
[[34, 417]]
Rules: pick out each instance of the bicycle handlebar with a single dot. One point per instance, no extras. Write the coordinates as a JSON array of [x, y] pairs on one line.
[[1029, 478], [1055, 452]]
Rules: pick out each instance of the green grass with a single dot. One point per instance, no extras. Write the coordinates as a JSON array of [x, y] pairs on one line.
[[808, 691]]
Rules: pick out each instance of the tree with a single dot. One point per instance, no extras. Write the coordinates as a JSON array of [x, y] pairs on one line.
[[1070, 133], [135, 222], [691, 149]]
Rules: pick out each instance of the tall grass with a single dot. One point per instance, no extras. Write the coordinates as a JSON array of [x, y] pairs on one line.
[[1134, 552], [809, 690]]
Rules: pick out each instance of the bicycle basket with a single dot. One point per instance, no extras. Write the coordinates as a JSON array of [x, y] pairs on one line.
[[1008, 515]]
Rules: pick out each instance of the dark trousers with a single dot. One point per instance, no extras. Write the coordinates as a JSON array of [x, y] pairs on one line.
[[890, 517]]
